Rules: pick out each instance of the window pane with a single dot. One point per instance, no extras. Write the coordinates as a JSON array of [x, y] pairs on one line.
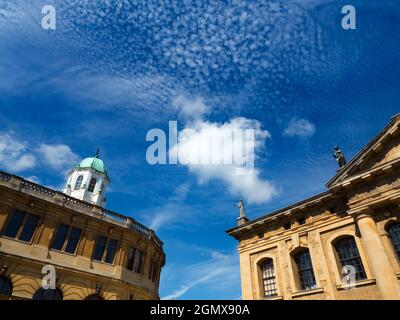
[[73, 240], [29, 228], [305, 270], [92, 184], [60, 237], [394, 233], [131, 258], [269, 281], [151, 269], [14, 224], [349, 256], [111, 250], [78, 183], [155, 271], [99, 248], [138, 261]]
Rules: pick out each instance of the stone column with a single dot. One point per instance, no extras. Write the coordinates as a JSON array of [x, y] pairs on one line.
[[383, 271], [245, 275]]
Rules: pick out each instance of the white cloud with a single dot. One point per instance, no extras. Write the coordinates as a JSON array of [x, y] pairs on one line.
[[190, 109], [299, 127], [58, 156], [13, 154], [202, 140]]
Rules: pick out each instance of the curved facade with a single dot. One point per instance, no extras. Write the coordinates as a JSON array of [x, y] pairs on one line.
[[96, 253]]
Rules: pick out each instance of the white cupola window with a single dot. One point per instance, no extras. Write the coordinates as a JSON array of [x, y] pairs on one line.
[[93, 172], [92, 184], [78, 182]]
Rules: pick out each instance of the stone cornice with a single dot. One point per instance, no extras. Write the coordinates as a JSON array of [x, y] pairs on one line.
[[61, 199], [367, 176], [373, 147], [287, 212]]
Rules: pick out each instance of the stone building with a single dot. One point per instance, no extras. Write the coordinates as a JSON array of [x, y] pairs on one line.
[[341, 244], [97, 254]]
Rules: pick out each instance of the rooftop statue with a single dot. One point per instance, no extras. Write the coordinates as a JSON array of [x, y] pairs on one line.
[[240, 205], [339, 156]]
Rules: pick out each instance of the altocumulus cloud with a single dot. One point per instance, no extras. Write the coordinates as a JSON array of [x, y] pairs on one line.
[[57, 156], [300, 128], [17, 155], [14, 155]]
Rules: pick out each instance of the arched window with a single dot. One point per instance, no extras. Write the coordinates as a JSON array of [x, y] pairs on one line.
[[268, 277], [5, 288], [348, 254], [305, 270], [48, 294], [94, 297], [78, 183], [92, 184], [394, 234]]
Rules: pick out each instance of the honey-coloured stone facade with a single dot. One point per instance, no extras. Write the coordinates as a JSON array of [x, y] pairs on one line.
[[78, 275], [309, 242]]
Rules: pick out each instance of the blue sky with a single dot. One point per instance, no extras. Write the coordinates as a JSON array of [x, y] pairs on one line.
[[112, 70]]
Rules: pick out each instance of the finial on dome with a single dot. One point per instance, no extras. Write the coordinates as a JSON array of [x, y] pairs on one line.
[[97, 155]]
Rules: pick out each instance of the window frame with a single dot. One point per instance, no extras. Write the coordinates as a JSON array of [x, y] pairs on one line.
[[360, 257], [390, 236], [299, 273], [80, 179], [132, 260], [90, 189], [256, 275], [66, 240], [104, 254], [154, 270], [263, 279], [22, 226]]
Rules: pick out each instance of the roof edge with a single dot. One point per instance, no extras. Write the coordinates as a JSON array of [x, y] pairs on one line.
[[343, 170], [277, 212]]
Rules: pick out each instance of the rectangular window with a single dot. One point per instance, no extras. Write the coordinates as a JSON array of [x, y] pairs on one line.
[[99, 248], [60, 237], [111, 250], [131, 258], [73, 240], [22, 226], [305, 270], [138, 261], [153, 270], [29, 227], [15, 223], [105, 249], [135, 260], [269, 280], [66, 238]]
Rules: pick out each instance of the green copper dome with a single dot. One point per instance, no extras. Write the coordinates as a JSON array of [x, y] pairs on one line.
[[95, 163]]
